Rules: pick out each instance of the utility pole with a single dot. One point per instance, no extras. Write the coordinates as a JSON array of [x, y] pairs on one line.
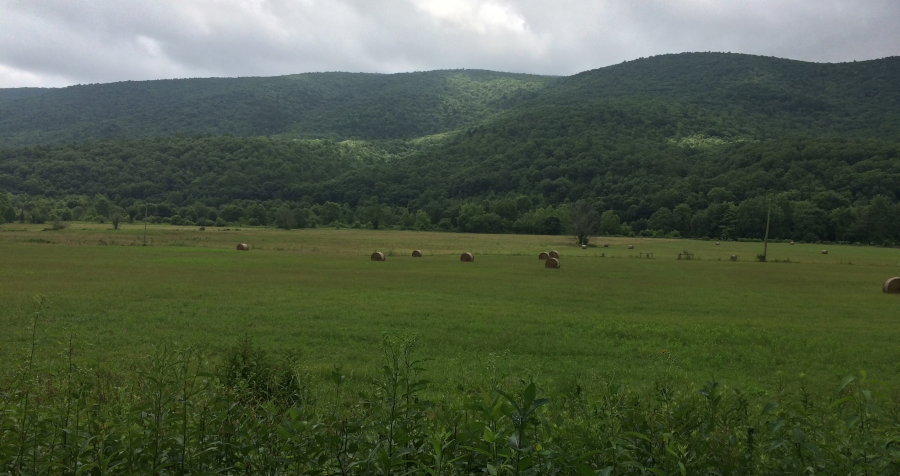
[[766, 240], [145, 223]]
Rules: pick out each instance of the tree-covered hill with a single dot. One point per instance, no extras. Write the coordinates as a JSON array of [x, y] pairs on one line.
[[736, 96], [690, 144], [321, 105], [714, 94]]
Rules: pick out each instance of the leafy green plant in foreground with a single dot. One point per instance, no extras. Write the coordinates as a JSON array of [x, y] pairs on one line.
[[177, 415]]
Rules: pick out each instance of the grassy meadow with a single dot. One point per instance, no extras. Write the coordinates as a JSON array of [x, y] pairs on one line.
[[606, 314]]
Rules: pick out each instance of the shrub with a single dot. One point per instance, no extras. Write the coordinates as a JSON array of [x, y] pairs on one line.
[[58, 224], [250, 367]]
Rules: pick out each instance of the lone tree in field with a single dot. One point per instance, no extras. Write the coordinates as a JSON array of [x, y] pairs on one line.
[[285, 219], [585, 221]]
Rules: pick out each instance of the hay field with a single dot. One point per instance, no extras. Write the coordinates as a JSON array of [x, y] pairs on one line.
[[605, 314]]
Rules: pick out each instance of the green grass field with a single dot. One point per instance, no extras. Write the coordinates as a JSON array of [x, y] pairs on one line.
[[606, 314]]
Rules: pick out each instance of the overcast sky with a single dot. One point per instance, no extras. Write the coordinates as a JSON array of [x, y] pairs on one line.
[[62, 42]]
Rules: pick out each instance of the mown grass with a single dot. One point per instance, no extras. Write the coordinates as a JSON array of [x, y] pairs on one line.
[[315, 292]]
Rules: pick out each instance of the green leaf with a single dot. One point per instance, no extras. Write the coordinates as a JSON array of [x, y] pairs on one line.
[[488, 436], [840, 401], [585, 470], [844, 383], [530, 392], [638, 435], [775, 426], [512, 401], [538, 403], [514, 440]]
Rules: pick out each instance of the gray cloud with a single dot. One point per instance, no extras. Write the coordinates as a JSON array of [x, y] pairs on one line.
[[60, 42]]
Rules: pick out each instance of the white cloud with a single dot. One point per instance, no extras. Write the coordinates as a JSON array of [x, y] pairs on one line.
[[478, 16], [16, 78], [57, 42]]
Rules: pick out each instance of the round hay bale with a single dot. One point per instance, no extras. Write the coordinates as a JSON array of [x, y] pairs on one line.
[[243, 247], [417, 254], [554, 254], [824, 252], [892, 286], [606, 245], [544, 255], [717, 243], [630, 247], [467, 257], [584, 247], [552, 263], [792, 243], [378, 256]]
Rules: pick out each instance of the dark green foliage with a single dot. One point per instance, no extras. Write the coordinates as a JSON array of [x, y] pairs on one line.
[[174, 417], [315, 105]]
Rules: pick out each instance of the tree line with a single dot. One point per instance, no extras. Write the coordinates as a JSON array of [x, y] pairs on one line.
[[826, 216]]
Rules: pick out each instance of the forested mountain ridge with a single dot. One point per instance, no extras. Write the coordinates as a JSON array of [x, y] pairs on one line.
[[314, 105], [714, 94], [741, 96], [688, 144]]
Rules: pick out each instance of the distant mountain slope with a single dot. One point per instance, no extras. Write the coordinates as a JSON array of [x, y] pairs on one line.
[[733, 95], [322, 105], [726, 96], [721, 95]]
